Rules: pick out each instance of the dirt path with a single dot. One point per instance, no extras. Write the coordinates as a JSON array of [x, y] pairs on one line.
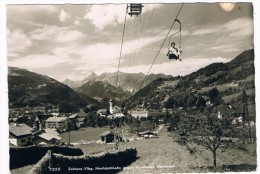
[[159, 155]]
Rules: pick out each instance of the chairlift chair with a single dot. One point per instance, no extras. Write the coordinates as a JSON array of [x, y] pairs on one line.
[[174, 56], [134, 9]]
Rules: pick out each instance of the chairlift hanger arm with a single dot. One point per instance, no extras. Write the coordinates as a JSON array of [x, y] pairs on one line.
[[177, 20]]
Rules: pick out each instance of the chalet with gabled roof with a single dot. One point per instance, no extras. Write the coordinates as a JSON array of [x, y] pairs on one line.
[[20, 134]]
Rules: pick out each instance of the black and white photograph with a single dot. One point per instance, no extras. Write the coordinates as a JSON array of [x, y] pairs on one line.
[[129, 87]]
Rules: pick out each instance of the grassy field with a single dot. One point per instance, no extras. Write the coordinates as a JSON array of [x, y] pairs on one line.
[[164, 155], [23, 170], [88, 134]]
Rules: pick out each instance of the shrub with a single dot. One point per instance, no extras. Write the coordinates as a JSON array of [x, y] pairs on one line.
[[22, 156], [105, 162]]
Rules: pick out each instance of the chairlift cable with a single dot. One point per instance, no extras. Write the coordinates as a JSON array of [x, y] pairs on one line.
[[162, 44], [138, 42], [131, 56], [121, 49], [145, 34]]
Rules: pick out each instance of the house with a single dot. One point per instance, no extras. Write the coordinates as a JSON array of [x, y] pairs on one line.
[[103, 112], [108, 137], [81, 121], [73, 119], [20, 134], [118, 115], [58, 123], [41, 118], [148, 134], [139, 114], [47, 139]]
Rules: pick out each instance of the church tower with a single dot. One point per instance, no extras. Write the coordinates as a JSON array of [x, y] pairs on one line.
[[111, 106]]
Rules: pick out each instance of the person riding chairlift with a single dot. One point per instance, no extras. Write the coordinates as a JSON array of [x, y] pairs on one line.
[[173, 52]]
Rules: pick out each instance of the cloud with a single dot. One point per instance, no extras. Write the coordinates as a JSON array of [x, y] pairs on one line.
[[226, 48], [205, 31], [105, 15], [240, 27], [100, 57], [77, 22], [38, 61], [236, 27], [17, 42], [23, 9], [56, 34], [184, 67], [63, 16]]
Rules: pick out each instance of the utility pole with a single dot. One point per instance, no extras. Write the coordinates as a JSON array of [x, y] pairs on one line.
[[245, 115], [69, 133]]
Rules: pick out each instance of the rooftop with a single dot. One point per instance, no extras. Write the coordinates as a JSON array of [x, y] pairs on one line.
[[73, 116], [20, 129], [102, 110], [81, 119], [107, 133], [139, 112], [48, 136], [51, 131], [57, 119]]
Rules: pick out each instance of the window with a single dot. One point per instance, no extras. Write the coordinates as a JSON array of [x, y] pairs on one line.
[[22, 140]]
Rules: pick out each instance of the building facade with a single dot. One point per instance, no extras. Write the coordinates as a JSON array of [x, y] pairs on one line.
[[58, 123], [20, 134]]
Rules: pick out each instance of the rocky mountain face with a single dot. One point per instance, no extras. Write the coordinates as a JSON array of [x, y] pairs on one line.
[[129, 82], [102, 90]]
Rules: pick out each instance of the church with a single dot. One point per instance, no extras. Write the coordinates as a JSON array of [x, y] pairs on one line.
[[115, 111]]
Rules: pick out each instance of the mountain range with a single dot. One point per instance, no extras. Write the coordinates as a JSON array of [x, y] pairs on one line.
[[27, 88], [129, 82]]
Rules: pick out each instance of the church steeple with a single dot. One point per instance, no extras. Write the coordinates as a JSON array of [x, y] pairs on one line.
[[111, 106]]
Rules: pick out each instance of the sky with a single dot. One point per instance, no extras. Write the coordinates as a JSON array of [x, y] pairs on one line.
[[72, 41]]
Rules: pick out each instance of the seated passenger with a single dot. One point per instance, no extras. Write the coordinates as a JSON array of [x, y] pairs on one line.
[[173, 52]]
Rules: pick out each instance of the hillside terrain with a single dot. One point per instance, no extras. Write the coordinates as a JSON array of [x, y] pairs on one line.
[[164, 155], [27, 88], [230, 79]]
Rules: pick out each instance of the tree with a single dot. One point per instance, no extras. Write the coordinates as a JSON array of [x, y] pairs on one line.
[[214, 96], [91, 119], [68, 108], [201, 103], [212, 133], [169, 103]]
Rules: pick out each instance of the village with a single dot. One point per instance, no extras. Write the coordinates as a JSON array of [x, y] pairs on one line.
[[46, 127], [34, 127]]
